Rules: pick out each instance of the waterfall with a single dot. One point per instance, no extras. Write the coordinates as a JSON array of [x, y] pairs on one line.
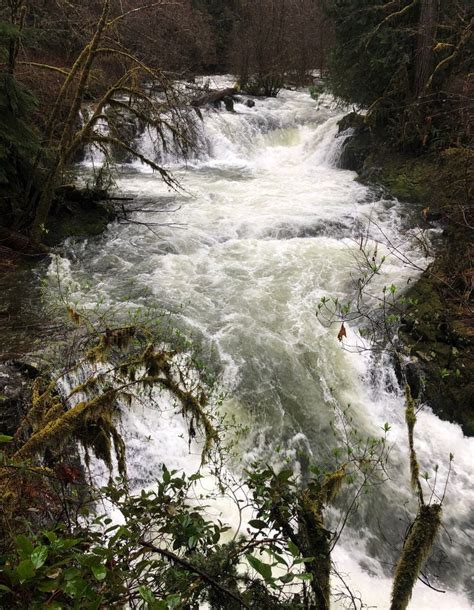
[[264, 226]]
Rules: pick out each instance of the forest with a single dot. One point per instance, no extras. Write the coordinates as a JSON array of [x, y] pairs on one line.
[[236, 304]]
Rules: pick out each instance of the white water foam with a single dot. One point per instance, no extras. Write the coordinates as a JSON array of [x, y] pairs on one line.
[[267, 225]]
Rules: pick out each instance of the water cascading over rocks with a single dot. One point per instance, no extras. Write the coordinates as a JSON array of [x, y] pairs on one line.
[[266, 225]]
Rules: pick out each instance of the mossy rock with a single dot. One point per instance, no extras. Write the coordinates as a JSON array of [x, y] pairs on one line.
[[443, 355], [357, 148]]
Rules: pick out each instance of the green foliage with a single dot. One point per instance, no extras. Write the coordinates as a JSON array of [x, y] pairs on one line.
[[164, 550], [18, 142], [104, 564], [363, 60]]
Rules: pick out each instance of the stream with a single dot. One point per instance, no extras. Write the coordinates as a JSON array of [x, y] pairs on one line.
[[265, 225]]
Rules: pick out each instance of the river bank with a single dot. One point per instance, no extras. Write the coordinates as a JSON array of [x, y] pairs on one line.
[[438, 328], [27, 329]]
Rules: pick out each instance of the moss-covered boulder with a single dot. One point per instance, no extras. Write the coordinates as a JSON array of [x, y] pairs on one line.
[[356, 148]]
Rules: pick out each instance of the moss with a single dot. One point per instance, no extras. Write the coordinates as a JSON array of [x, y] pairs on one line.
[[415, 551], [410, 419], [441, 345], [332, 486], [405, 179], [316, 544]]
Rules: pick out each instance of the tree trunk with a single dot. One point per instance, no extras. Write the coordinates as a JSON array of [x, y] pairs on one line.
[[315, 542], [425, 46]]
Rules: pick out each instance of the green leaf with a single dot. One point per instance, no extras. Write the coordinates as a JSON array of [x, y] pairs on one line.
[[303, 560], [4, 438], [75, 587], [71, 573], [99, 571], [285, 475], [264, 569], [305, 576], [294, 550], [24, 546], [39, 556], [5, 588], [173, 601], [51, 536], [258, 524], [25, 570], [48, 586], [147, 595]]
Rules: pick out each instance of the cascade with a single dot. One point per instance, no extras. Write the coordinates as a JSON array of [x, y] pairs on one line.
[[264, 226]]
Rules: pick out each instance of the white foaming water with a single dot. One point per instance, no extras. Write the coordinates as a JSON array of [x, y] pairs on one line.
[[265, 226]]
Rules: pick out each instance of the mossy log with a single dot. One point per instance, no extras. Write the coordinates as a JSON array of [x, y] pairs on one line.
[[417, 547]]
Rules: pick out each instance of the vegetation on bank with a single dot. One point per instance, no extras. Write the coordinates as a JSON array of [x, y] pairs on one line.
[[437, 325]]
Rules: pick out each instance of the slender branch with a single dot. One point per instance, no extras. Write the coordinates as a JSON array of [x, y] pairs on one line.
[[45, 67], [194, 569]]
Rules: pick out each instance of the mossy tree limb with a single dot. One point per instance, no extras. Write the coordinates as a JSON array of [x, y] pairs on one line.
[[410, 418], [417, 546]]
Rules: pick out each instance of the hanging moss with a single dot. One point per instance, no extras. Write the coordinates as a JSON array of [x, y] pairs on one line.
[[55, 433], [331, 486], [417, 547], [132, 363]]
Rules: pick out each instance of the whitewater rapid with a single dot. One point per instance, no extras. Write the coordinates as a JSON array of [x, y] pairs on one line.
[[264, 226]]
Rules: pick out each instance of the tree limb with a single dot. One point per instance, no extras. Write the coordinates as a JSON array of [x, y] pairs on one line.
[[195, 570]]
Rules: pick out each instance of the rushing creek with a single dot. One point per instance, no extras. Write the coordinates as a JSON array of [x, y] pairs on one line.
[[267, 224]]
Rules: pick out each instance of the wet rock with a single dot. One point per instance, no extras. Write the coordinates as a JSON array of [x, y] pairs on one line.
[[351, 121], [250, 103], [228, 103], [413, 377], [357, 148], [444, 369]]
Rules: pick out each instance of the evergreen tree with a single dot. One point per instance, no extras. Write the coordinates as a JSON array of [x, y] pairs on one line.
[[18, 141], [409, 62]]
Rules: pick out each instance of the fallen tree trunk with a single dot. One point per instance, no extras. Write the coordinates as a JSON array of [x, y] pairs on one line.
[[214, 97]]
